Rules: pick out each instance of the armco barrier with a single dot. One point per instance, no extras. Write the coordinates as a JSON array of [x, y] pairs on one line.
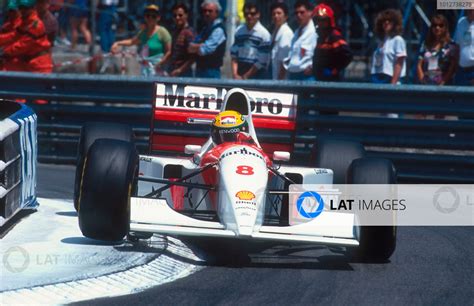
[[422, 150], [18, 151]]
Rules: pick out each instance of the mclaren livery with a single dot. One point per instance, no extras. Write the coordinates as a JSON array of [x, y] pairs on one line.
[[226, 186]]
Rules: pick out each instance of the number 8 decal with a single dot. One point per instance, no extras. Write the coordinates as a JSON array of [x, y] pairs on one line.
[[244, 170]]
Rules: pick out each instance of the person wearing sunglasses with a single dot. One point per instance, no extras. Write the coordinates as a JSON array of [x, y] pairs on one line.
[[438, 55], [389, 58], [182, 36], [465, 39], [250, 52], [209, 46], [153, 41]]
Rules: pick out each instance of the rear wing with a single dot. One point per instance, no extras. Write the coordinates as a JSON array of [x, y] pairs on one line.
[[273, 114]]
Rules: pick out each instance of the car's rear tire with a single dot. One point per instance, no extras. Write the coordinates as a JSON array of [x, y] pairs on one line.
[[376, 243], [107, 183], [336, 155], [90, 132]]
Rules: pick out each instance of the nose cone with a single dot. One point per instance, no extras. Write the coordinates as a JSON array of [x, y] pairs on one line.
[[242, 187]]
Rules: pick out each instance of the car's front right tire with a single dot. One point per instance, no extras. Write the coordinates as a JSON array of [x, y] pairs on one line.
[[108, 180]]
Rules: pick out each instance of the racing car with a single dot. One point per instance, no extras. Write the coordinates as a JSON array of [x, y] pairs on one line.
[[228, 188]]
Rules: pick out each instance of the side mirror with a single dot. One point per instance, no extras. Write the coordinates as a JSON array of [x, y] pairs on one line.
[[192, 149], [281, 156]]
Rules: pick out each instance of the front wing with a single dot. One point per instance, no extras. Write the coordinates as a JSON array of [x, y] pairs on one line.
[[154, 215]]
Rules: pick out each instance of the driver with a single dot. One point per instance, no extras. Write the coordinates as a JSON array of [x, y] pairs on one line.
[[229, 126]]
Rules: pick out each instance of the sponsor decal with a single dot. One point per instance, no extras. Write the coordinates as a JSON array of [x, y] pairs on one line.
[[245, 195], [242, 151], [228, 120], [229, 131], [321, 171], [210, 99], [146, 159]]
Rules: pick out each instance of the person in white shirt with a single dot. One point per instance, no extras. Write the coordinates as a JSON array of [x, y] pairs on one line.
[[281, 39], [299, 63], [464, 37], [250, 52], [389, 59]]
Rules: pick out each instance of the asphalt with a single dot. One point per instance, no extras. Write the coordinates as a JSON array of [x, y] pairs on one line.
[[431, 266]]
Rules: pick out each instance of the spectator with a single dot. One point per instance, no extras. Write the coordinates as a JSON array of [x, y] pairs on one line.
[[183, 35], [8, 34], [50, 22], [107, 23], [78, 14], [465, 39], [209, 46], [299, 61], [154, 42], [251, 49], [8, 31], [31, 49], [61, 13], [332, 52], [438, 56], [388, 62], [281, 39]]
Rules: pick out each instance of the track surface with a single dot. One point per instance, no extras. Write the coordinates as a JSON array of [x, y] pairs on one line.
[[431, 266]]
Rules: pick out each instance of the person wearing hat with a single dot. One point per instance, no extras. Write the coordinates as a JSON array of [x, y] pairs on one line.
[[332, 53], [31, 51], [153, 41]]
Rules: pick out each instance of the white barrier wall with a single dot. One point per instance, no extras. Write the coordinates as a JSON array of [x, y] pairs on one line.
[[18, 154]]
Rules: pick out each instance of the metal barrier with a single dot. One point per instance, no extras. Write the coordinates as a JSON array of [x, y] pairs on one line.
[[422, 150]]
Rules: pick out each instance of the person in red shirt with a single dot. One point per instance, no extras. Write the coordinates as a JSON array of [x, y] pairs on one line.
[[332, 53], [12, 22], [8, 31], [32, 47]]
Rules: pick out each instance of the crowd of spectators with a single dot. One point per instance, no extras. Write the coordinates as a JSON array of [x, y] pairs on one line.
[[25, 42], [315, 50]]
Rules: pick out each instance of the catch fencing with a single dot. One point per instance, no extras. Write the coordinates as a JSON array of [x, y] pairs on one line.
[[431, 141]]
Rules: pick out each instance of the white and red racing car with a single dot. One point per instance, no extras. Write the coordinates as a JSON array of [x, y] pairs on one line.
[[226, 187]]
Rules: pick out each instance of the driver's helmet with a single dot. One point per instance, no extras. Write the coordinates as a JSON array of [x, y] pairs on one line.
[[227, 125]]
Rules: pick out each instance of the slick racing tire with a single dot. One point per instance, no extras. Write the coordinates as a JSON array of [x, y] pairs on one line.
[[108, 182], [336, 155], [90, 132], [376, 243]]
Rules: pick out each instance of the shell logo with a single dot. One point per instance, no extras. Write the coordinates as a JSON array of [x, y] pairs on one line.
[[245, 195]]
